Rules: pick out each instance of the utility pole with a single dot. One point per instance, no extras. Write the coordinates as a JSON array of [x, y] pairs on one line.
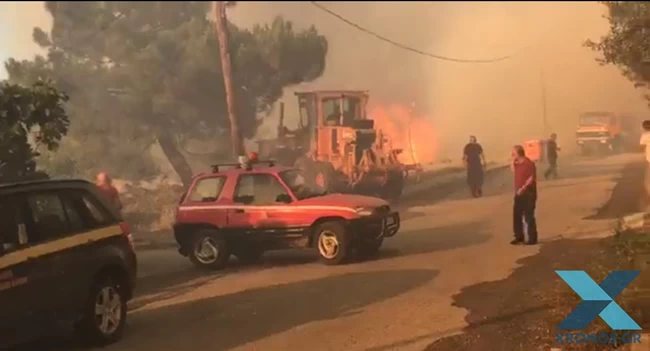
[[410, 122], [544, 103], [221, 24]]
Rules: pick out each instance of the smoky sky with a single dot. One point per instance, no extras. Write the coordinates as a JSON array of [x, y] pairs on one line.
[[501, 103]]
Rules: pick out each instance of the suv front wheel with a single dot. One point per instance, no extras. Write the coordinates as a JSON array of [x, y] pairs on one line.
[[104, 315], [332, 243], [209, 250]]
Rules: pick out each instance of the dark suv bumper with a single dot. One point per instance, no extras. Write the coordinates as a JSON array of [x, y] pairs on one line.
[[377, 226], [391, 224]]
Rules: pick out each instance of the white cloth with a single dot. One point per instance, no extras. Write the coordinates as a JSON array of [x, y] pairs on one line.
[[645, 140]]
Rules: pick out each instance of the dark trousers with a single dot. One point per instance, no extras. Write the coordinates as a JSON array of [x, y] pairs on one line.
[[552, 168], [475, 179], [524, 210]]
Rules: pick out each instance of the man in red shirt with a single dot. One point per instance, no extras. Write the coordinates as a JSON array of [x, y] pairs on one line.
[[525, 177], [105, 185]]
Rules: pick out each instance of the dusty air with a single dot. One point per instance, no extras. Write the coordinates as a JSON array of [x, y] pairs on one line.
[[359, 176]]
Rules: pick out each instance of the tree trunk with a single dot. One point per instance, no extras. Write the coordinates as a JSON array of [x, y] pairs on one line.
[[221, 24], [175, 157]]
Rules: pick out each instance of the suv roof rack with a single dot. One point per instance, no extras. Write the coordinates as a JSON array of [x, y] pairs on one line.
[[215, 168], [270, 163], [248, 165]]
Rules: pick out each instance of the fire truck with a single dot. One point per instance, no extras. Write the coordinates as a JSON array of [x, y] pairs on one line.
[[607, 132]]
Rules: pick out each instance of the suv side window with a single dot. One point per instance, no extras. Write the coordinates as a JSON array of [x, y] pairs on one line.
[[48, 218], [90, 213], [207, 190], [9, 226], [258, 189]]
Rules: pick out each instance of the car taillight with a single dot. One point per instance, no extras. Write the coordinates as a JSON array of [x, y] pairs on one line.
[[126, 230]]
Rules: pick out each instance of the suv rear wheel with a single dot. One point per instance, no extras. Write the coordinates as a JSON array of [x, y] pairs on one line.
[[332, 243], [104, 315], [209, 250]]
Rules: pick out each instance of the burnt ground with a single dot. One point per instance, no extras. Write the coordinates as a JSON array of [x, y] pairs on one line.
[[522, 311]]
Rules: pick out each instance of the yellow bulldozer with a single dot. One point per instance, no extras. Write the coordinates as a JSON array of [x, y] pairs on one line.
[[337, 146]]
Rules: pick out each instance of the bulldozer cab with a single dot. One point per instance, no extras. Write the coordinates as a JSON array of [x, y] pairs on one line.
[[337, 124], [331, 108]]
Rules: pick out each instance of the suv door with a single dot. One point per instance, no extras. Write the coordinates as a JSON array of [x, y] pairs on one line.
[[259, 207], [254, 194], [19, 281], [53, 246], [87, 217]]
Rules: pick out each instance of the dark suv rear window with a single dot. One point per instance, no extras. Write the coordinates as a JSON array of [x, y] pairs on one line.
[[207, 189]]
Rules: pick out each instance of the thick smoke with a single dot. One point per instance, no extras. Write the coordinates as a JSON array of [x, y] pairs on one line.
[[501, 103]]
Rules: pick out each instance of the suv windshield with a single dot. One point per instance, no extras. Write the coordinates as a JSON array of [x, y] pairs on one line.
[[297, 182]]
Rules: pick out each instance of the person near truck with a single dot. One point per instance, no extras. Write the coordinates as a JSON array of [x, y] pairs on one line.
[[551, 154], [645, 141], [525, 181], [474, 160]]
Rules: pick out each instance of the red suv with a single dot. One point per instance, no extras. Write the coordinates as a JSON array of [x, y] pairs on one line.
[[245, 211]]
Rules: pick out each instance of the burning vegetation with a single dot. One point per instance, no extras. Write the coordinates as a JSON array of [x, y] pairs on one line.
[[413, 133]]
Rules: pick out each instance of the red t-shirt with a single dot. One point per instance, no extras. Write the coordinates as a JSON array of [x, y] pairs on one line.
[[111, 194], [524, 170]]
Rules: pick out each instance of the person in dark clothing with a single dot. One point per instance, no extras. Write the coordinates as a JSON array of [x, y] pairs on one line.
[[551, 155], [474, 161], [525, 181]]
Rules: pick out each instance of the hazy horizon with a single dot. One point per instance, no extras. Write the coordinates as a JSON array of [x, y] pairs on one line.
[[501, 103]]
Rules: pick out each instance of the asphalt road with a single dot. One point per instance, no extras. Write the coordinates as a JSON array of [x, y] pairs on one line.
[[401, 301]]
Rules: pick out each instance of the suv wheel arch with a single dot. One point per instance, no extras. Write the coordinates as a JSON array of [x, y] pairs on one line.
[[184, 234], [120, 274], [312, 228]]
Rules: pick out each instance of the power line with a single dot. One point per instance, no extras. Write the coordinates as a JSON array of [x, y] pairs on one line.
[[408, 48]]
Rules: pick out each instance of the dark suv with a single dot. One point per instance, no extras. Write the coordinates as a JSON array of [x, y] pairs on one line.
[[65, 256]]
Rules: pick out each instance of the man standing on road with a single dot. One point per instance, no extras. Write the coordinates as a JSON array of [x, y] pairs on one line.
[[106, 187], [525, 180], [645, 142], [474, 160], [551, 155]]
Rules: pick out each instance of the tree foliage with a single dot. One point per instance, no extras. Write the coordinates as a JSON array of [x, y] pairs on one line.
[[29, 117], [627, 43], [140, 72]]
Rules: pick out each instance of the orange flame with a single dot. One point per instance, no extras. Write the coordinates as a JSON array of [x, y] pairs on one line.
[[416, 135]]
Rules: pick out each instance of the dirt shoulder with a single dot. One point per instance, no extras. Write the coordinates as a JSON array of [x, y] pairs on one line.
[[522, 311]]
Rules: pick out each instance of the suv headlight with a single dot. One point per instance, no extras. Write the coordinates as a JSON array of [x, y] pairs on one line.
[[363, 211]]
